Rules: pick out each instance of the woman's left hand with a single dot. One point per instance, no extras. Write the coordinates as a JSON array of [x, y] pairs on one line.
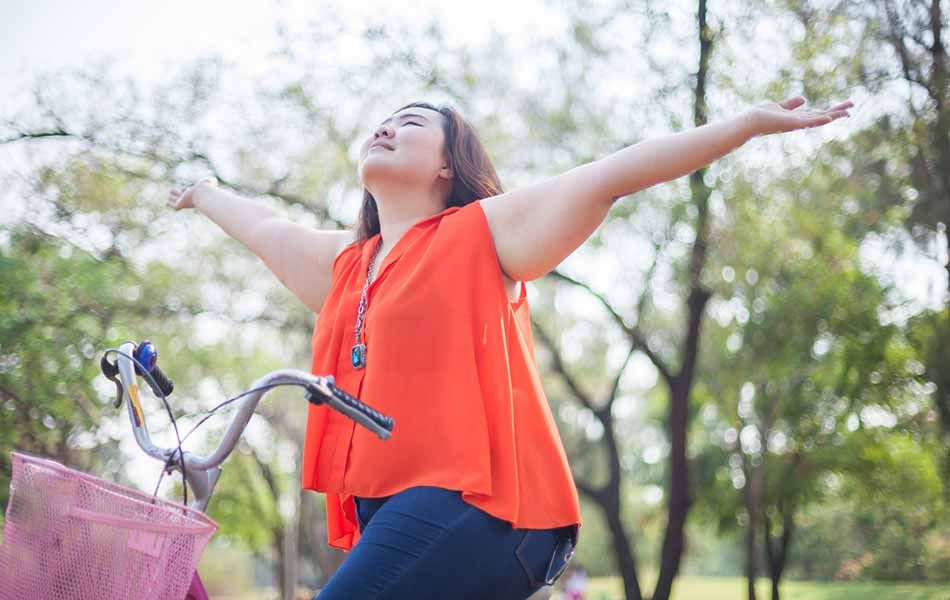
[[775, 117]]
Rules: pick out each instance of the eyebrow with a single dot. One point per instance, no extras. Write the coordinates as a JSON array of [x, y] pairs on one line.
[[403, 116]]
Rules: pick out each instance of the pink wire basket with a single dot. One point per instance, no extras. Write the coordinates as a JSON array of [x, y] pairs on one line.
[[69, 535]]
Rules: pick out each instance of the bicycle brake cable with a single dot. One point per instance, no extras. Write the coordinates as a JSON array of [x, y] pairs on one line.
[[174, 422], [169, 460]]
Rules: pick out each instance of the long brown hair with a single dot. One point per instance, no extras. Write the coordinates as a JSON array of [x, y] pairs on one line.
[[474, 176]]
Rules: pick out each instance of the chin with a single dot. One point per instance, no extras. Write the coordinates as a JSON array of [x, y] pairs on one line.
[[376, 169]]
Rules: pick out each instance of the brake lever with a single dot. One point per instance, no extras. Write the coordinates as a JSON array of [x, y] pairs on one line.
[[111, 371]]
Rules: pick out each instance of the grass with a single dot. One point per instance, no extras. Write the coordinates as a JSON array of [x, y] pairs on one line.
[[731, 588], [734, 588]]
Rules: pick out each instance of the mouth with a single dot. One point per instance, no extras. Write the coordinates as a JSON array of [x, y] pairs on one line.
[[380, 145]]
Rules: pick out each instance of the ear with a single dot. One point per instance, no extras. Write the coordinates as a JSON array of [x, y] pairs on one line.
[[446, 171]]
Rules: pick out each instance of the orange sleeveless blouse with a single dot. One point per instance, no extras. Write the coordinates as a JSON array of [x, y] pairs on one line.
[[451, 359]]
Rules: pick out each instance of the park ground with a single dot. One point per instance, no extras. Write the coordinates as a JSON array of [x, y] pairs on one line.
[[733, 588], [728, 588]]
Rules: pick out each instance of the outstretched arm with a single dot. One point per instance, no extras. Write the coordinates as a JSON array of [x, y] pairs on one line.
[[537, 226], [668, 157], [671, 156]]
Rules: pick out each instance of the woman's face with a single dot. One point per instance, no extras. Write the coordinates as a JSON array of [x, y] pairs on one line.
[[409, 148]]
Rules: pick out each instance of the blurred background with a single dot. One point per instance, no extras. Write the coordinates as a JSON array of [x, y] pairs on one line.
[[749, 366]]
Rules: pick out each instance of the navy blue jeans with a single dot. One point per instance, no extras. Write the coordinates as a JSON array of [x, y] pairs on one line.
[[426, 542]]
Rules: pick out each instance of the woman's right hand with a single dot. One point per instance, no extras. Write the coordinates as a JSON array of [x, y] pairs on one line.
[[179, 198]]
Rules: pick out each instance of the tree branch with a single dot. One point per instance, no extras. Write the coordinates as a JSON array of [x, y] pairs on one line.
[[634, 333]]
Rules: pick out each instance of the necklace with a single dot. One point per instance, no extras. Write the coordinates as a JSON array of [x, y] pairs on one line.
[[358, 354]]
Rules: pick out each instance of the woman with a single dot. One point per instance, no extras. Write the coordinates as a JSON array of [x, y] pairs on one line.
[[423, 315]]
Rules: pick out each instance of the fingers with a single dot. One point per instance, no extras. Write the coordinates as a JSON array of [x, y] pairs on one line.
[[824, 119], [174, 195], [178, 197], [838, 110], [798, 101], [843, 105], [837, 114], [793, 102], [829, 115]]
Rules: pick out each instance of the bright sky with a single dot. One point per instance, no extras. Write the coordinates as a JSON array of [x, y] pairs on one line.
[[148, 40], [35, 35]]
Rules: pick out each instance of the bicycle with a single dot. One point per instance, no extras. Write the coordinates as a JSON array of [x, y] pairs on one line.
[[72, 535]]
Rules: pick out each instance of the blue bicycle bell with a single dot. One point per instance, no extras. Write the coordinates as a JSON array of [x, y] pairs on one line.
[[147, 354]]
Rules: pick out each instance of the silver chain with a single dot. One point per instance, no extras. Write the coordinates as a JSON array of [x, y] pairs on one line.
[[362, 308]]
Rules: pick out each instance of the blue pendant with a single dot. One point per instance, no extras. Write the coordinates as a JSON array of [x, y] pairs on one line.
[[358, 356]]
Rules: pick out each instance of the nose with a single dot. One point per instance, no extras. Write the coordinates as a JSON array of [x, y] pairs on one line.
[[384, 130]]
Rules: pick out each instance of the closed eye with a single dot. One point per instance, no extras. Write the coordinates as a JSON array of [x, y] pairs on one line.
[[412, 123]]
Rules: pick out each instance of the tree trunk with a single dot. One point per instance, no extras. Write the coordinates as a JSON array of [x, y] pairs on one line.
[[281, 561], [942, 395], [750, 559], [778, 557], [946, 235], [280, 531], [678, 500], [607, 497], [622, 548], [750, 496]]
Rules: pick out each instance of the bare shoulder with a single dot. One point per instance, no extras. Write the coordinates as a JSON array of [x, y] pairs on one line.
[[537, 226], [492, 207], [495, 215]]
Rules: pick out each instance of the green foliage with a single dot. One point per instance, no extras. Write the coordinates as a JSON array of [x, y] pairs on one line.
[[893, 524], [827, 545], [66, 298], [937, 555], [225, 569], [242, 504], [57, 303], [799, 366]]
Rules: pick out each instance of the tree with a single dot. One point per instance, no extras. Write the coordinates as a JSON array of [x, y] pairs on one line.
[[907, 163]]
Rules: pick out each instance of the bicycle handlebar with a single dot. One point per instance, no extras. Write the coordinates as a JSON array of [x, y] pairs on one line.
[[202, 471]]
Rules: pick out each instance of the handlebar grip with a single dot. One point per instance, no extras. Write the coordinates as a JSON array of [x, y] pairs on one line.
[[165, 385], [375, 415], [351, 406]]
